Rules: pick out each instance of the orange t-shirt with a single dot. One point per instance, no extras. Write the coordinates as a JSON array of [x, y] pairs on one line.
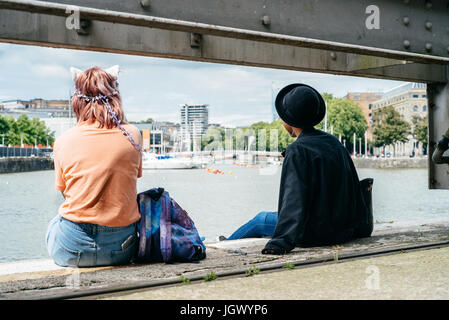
[[97, 171]]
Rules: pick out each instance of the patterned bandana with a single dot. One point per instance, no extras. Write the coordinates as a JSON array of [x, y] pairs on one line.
[[105, 100]]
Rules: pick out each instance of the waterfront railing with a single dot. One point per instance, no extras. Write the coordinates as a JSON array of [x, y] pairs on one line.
[[25, 152]]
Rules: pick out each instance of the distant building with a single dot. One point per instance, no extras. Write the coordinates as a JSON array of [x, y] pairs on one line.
[[216, 125], [156, 138], [275, 88], [171, 127], [408, 100], [59, 125], [37, 108], [194, 121], [366, 100]]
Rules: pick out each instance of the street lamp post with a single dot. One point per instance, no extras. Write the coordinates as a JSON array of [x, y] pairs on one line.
[[325, 117], [21, 143], [366, 145], [360, 146], [355, 142]]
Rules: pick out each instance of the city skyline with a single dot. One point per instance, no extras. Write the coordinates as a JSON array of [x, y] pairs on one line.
[[156, 87]]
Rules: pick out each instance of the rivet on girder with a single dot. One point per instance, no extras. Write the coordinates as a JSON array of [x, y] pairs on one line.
[[266, 20], [428, 46], [145, 3], [333, 56], [84, 29], [195, 40], [406, 44], [428, 25], [406, 20], [428, 4], [406, 1]]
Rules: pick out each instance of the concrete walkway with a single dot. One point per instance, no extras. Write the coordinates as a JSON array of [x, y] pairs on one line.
[[41, 279], [414, 275]]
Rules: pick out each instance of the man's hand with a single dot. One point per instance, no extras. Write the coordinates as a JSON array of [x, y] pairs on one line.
[[443, 144]]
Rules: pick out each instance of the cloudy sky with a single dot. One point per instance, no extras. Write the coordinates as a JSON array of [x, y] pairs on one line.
[[155, 87]]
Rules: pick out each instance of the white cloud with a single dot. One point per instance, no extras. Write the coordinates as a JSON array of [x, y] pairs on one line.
[[156, 87], [54, 71]]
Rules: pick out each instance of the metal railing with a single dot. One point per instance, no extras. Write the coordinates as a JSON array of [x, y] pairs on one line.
[[25, 152]]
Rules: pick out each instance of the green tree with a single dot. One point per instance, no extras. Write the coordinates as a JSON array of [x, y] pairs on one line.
[[284, 138], [327, 96], [26, 129], [276, 137], [420, 131], [213, 139], [390, 128], [346, 118], [262, 131], [149, 120], [4, 125]]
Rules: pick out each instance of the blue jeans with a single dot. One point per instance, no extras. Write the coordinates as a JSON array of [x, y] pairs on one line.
[[262, 225], [72, 244]]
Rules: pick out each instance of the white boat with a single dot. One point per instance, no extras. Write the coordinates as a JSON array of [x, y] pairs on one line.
[[202, 162], [156, 161], [274, 161]]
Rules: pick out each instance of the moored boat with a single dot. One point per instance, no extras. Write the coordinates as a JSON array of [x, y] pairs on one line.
[[155, 161]]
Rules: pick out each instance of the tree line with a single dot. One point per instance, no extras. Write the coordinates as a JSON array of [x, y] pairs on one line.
[[23, 129], [344, 118], [390, 128]]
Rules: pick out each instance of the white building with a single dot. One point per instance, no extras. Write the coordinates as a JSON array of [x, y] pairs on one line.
[[408, 100], [59, 125], [194, 123]]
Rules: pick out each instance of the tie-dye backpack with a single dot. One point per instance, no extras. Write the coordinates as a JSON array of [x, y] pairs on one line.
[[166, 232]]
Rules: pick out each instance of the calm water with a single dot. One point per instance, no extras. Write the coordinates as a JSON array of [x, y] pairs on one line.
[[217, 203]]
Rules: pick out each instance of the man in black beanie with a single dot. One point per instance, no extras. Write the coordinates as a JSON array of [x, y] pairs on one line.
[[321, 200]]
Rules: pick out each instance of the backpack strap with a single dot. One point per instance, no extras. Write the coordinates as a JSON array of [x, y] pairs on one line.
[[155, 193], [145, 224], [165, 228]]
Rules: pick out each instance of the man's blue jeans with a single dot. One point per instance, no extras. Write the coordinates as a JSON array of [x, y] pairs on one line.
[[72, 244], [262, 225]]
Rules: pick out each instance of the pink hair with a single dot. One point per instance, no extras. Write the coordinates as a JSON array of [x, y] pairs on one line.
[[92, 82]]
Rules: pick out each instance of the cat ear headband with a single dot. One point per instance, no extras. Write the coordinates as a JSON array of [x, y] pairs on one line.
[[113, 71]]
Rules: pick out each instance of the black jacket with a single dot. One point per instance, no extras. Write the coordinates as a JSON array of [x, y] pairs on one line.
[[320, 195]]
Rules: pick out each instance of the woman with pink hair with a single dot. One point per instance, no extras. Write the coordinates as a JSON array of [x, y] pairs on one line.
[[97, 164]]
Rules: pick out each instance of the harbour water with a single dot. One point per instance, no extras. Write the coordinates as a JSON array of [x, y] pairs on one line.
[[218, 203]]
